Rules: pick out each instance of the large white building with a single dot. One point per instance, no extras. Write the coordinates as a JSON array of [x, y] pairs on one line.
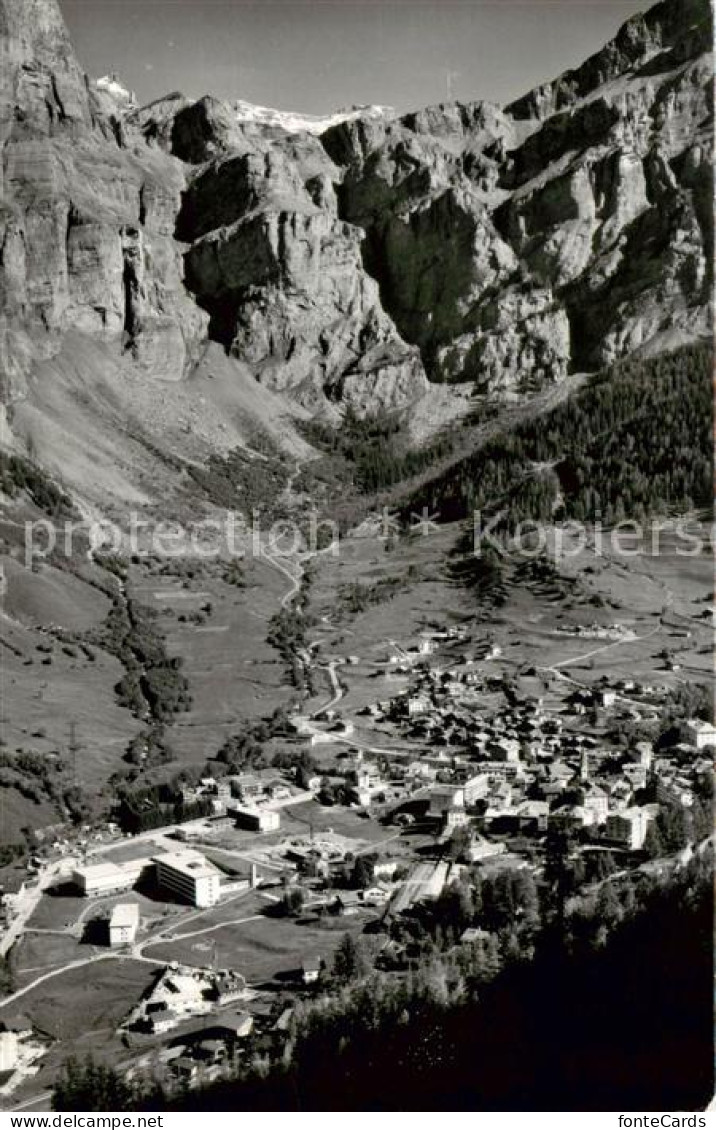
[[476, 788], [8, 1051], [628, 827], [123, 923], [188, 875], [94, 879]]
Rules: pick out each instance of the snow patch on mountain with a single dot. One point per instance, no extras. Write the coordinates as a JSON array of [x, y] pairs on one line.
[[247, 112], [110, 84]]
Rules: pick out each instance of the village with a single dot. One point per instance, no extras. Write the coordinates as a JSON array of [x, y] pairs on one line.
[[462, 768]]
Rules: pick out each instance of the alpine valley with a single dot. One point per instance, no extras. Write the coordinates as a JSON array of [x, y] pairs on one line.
[[264, 379]]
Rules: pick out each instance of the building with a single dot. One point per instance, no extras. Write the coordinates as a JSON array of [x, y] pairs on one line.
[[222, 791], [94, 879], [480, 849], [702, 734], [360, 778], [596, 801], [426, 881], [123, 923], [375, 896], [455, 818], [8, 1051], [636, 775], [504, 749], [418, 704], [606, 698], [19, 1024], [161, 1018], [385, 868], [13, 887], [311, 970], [643, 754], [185, 1069], [189, 875], [444, 798], [533, 816], [257, 819], [421, 769], [628, 827], [476, 788], [364, 774], [474, 934], [359, 796], [559, 773], [247, 787], [571, 817]]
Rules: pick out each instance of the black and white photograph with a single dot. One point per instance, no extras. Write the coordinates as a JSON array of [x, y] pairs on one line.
[[356, 561]]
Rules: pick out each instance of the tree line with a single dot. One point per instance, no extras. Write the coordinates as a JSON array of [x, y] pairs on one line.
[[636, 441]]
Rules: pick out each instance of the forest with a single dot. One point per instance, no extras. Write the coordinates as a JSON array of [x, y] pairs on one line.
[[634, 442], [370, 452]]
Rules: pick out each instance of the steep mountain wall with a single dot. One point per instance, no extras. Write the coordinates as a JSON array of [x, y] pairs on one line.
[[563, 232], [86, 221], [506, 247]]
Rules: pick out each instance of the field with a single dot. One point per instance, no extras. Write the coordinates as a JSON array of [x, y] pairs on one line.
[[658, 600], [36, 954], [100, 994], [234, 675], [52, 687], [300, 818], [79, 1010], [53, 691], [263, 948], [55, 694], [424, 594]]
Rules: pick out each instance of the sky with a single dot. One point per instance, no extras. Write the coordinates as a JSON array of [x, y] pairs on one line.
[[315, 56]]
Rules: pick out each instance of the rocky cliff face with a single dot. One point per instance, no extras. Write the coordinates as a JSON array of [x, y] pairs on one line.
[[279, 271], [86, 221], [567, 230], [505, 247]]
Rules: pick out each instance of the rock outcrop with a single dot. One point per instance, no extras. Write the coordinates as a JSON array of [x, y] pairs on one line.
[[86, 221], [279, 272]]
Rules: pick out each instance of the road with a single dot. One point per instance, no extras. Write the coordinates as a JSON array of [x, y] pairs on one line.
[[28, 902], [555, 668], [603, 647], [338, 691], [44, 1097]]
